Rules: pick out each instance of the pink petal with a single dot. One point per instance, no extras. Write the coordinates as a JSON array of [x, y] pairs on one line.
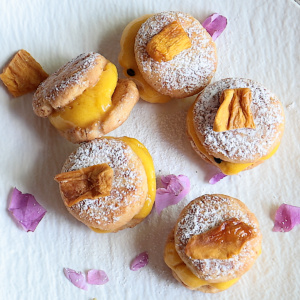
[[97, 277], [172, 183], [286, 218], [140, 261], [27, 211], [215, 25], [176, 188], [217, 178], [77, 278]]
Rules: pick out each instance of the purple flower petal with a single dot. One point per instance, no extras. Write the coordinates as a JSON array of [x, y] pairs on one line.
[[97, 277], [286, 218], [215, 25], [140, 261], [77, 278], [217, 178], [27, 211], [174, 190], [172, 183]]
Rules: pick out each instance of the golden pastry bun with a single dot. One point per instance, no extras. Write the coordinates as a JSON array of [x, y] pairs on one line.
[[72, 80], [129, 187], [124, 99], [190, 70], [236, 150], [245, 145], [199, 216]]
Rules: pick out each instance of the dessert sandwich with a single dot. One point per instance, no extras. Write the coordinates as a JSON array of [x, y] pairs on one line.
[[84, 99], [235, 124], [216, 240], [109, 183], [168, 55]]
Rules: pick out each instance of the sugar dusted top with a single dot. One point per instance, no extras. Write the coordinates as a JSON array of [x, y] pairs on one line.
[[126, 182], [67, 83], [190, 70], [205, 213], [243, 145]]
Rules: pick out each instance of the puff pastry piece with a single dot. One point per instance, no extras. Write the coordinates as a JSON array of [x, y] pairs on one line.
[[199, 217], [78, 76]]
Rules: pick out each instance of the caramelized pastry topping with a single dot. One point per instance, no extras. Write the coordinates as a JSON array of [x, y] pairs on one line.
[[168, 43], [23, 74], [87, 183], [235, 111], [221, 242]]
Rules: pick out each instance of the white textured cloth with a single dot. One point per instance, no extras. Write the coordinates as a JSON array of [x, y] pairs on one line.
[[261, 42]]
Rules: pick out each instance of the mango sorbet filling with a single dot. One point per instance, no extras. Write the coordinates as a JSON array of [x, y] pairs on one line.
[[92, 105]]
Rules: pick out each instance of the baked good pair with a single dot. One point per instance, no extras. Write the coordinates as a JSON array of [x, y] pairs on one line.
[[216, 240], [84, 99], [109, 183], [168, 55], [235, 124]]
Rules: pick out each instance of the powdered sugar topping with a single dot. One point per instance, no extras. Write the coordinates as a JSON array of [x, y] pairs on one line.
[[202, 215], [80, 66], [191, 69], [244, 145], [126, 179]]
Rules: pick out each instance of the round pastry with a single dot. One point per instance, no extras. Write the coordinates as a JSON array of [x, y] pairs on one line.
[[215, 241], [84, 99], [168, 55], [109, 183], [235, 124]]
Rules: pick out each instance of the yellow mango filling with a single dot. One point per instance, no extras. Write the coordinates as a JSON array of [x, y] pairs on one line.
[[128, 63], [141, 151], [174, 262], [91, 106], [227, 168]]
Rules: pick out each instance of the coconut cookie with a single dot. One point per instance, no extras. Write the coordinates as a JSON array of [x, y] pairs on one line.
[[235, 124], [109, 183], [84, 99], [168, 55], [215, 241]]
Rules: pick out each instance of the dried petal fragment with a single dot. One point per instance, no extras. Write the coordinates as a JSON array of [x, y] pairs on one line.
[[97, 277], [234, 111], [23, 74], [286, 218], [175, 188], [169, 42], [77, 278], [26, 210], [215, 25], [216, 178], [87, 183], [140, 261], [221, 242]]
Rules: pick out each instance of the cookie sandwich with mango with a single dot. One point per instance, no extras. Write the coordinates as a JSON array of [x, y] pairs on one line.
[[235, 124], [168, 55], [109, 183], [216, 240], [84, 99]]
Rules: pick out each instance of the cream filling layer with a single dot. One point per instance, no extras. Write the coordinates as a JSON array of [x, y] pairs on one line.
[[91, 106], [128, 62]]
